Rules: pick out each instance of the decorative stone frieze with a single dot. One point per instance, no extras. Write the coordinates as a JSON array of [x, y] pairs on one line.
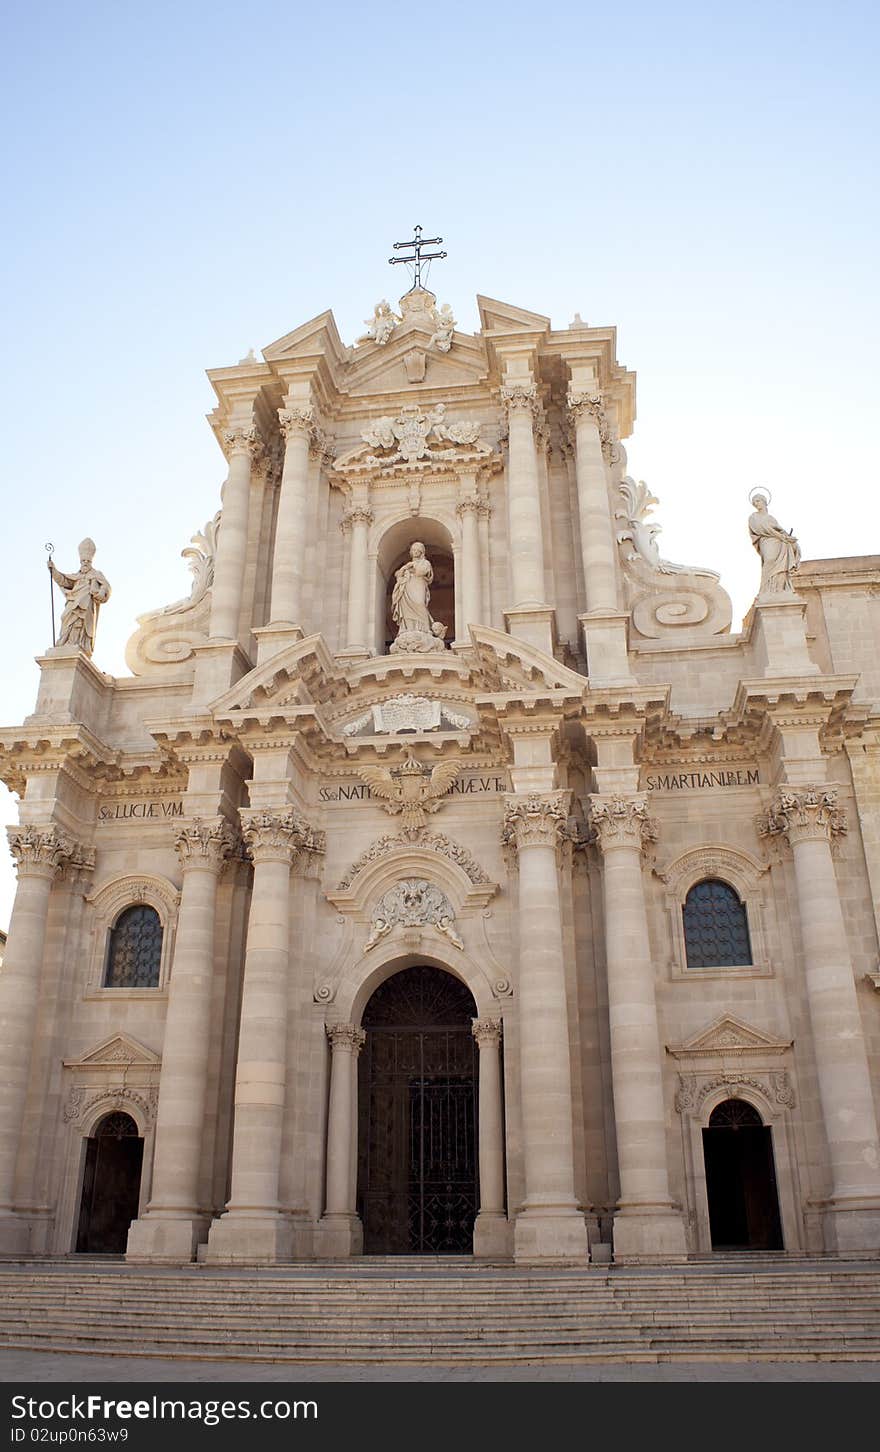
[[205, 844], [414, 902], [619, 821], [347, 1037], [486, 1030], [535, 820], [433, 841], [693, 1090], [804, 814], [40, 849]]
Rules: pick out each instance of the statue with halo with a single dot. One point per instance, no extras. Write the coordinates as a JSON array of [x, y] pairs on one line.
[[778, 548]]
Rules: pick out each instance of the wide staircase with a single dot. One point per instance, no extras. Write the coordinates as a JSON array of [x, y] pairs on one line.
[[448, 1312]]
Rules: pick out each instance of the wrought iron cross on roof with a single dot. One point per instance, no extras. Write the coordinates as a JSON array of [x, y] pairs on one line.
[[418, 257]]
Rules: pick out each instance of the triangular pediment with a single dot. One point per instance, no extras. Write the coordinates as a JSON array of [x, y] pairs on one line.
[[119, 1050], [302, 674], [318, 337], [508, 664], [730, 1035], [396, 366], [500, 317]]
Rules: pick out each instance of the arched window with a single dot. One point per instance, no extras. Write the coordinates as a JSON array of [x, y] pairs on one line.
[[716, 928], [134, 950]]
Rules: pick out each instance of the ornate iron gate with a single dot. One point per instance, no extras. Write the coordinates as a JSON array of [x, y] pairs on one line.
[[417, 1173]]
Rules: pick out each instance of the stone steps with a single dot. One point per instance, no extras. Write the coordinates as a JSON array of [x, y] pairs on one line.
[[448, 1313]]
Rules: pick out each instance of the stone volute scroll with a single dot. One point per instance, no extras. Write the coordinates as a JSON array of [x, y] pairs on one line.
[[664, 598], [167, 636], [414, 902], [778, 548], [85, 592]]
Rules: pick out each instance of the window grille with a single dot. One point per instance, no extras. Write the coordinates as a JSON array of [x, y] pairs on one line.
[[716, 928], [134, 952]]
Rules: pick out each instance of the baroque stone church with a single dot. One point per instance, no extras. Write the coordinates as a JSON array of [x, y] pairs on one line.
[[447, 877]]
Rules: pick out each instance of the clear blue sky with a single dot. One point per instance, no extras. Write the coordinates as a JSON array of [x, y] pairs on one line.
[[188, 180]]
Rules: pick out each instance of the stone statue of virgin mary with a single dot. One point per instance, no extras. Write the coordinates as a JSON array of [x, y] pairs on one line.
[[416, 629]]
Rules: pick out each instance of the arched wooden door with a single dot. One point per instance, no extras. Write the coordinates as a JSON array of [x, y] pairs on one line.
[[741, 1179], [417, 1130], [111, 1186]]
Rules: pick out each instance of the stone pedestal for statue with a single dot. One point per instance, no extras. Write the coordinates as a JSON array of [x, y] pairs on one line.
[[779, 637]]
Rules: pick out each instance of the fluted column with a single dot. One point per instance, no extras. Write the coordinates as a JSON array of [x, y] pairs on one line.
[[252, 1227], [288, 563], [490, 1230], [646, 1224], [340, 1232], [549, 1225], [358, 519], [39, 855], [468, 510], [173, 1224], [243, 446], [525, 532], [809, 817]]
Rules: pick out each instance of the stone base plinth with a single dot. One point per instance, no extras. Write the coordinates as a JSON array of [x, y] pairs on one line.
[[338, 1236], [853, 1228], [272, 639], [606, 648], [779, 636], [166, 1238], [219, 664], [15, 1235], [641, 1236], [493, 1237], [534, 624], [246, 1239], [549, 1236]]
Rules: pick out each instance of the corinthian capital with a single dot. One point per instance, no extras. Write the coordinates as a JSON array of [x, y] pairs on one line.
[[472, 503], [536, 820], [242, 441], [806, 813], [585, 405], [622, 822], [519, 396], [486, 1031], [205, 844], [39, 850], [297, 420], [346, 1037], [278, 836], [358, 514]]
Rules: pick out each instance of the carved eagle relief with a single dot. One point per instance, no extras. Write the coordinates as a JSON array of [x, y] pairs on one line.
[[409, 790]]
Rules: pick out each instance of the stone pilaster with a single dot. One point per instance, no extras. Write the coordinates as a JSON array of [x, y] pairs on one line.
[[468, 510], [253, 1227], [549, 1225], [298, 424], [647, 1226], [174, 1223], [358, 519], [491, 1228], [243, 446], [339, 1232], [604, 624], [40, 853], [809, 818], [530, 617]]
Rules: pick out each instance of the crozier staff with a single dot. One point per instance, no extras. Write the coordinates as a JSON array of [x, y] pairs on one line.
[[86, 591]]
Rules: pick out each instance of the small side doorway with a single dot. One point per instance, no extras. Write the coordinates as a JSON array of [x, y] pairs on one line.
[[741, 1179], [111, 1186]]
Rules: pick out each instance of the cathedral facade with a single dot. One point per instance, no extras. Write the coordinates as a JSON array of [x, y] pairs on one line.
[[447, 877]]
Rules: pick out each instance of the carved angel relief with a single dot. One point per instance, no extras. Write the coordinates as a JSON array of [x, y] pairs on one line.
[[414, 902], [409, 790], [415, 435]]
